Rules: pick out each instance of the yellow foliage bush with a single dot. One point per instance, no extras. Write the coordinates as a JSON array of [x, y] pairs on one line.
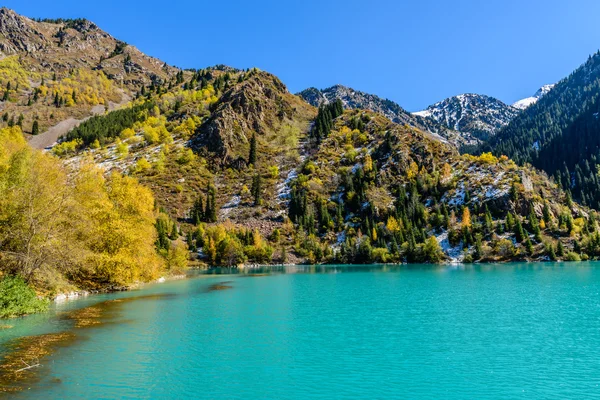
[[94, 230]]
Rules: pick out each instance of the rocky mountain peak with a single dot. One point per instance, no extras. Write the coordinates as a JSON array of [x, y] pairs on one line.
[[260, 104], [355, 99], [477, 114]]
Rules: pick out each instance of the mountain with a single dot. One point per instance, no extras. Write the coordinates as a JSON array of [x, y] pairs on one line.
[[226, 167], [261, 104], [526, 102], [354, 99], [478, 115], [59, 72], [558, 133]]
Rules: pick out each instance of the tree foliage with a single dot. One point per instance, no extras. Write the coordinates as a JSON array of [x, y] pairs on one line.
[[90, 230]]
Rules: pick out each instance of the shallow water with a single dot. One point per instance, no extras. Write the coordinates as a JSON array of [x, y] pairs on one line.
[[486, 332]]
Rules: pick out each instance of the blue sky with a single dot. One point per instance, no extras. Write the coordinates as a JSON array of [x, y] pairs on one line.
[[414, 52]]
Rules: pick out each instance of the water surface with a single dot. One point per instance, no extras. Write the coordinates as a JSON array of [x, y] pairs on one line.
[[377, 332]]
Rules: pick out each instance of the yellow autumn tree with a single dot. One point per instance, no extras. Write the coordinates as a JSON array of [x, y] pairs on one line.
[[446, 173], [466, 218], [368, 165], [413, 170], [392, 225], [83, 228]]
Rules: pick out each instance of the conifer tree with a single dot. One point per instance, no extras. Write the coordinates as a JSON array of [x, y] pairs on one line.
[[529, 246], [551, 252], [252, 155], [518, 230], [560, 250], [35, 128], [197, 214], [211, 214], [257, 189]]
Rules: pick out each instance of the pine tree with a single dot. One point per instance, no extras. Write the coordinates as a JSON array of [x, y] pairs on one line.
[[478, 247], [211, 214], [560, 250], [529, 246], [518, 230], [283, 255], [257, 189], [252, 155], [197, 213], [551, 252], [35, 128]]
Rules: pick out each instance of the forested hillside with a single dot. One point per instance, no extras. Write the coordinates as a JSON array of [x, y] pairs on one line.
[[559, 133], [53, 70], [378, 192], [353, 99], [547, 119]]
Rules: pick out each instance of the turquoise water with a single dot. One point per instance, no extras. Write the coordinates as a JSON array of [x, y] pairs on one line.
[[525, 331]]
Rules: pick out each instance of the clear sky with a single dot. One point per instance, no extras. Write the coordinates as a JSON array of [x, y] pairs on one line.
[[415, 52]]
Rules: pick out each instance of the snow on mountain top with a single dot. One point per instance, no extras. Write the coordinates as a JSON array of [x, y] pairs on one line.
[[472, 113], [526, 102]]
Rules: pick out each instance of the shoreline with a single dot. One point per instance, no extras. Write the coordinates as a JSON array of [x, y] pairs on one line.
[[75, 295], [81, 294]]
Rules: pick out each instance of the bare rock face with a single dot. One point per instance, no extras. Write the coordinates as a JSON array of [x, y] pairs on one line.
[[259, 105], [77, 43], [18, 35]]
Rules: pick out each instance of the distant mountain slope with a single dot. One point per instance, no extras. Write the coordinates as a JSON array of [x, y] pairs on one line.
[[559, 133], [354, 99], [57, 45], [547, 119], [476, 114], [55, 70], [526, 102]]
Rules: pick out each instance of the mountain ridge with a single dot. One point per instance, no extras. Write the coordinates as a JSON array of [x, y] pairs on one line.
[[355, 99], [479, 115]]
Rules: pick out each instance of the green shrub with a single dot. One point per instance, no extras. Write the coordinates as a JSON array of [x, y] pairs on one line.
[[18, 298], [571, 256]]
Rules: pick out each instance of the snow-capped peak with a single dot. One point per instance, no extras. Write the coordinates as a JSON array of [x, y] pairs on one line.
[[526, 102], [476, 114]]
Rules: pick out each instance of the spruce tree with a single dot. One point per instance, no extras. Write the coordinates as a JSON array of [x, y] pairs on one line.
[[211, 212], [197, 214], [35, 128], [518, 230], [529, 246], [551, 252], [560, 250], [257, 189], [252, 155]]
